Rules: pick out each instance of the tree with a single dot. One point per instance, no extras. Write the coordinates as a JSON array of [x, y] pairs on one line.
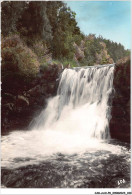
[[65, 32], [34, 22], [11, 13], [115, 50]]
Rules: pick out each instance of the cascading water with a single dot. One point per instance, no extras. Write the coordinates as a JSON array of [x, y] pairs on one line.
[[81, 104], [69, 143]]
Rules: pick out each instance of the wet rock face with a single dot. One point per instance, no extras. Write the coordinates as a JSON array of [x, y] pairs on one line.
[[120, 121], [18, 109]]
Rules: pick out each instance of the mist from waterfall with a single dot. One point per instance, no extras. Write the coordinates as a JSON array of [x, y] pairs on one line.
[[82, 103], [76, 120]]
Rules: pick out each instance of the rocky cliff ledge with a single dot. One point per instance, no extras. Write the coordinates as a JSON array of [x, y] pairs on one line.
[[120, 121], [19, 109]]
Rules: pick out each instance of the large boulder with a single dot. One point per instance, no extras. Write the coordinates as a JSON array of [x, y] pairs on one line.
[[120, 112]]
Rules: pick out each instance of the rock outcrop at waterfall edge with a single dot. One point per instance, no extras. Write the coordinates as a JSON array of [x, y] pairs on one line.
[[120, 121], [19, 108]]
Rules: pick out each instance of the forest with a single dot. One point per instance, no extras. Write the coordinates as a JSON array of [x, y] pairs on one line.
[[35, 34]]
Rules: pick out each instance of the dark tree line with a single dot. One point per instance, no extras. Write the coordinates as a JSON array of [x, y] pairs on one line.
[[115, 50], [54, 24]]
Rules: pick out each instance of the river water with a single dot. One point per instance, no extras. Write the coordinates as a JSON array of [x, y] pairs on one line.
[[69, 144]]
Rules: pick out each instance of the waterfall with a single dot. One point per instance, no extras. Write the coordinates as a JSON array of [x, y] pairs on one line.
[[68, 144], [81, 104], [76, 120]]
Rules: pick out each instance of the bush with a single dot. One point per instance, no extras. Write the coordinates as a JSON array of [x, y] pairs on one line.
[[42, 52], [18, 59], [44, 66], [67, 62]]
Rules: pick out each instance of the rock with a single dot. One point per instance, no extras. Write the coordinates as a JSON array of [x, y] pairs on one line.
[[120, 112], [35, 91], [60, 66], [9, 96], [22, 100], [68, 66], [120, 130], [18, 110], [119, 99], [9, 106]]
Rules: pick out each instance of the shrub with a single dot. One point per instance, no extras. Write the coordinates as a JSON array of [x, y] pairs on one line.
[[67, 62], [42, 52], [17, 58], [44, 66]]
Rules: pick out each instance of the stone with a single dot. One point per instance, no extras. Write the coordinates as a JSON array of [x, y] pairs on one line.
[[22, 100], [118, 112], [120, 109], [18, 110], [9, 106]]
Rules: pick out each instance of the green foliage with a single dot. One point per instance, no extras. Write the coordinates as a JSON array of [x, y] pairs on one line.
[[104, 61], [72, 63], [65, 30], [44, 66], [34, 23], [11, 13], [127, 52], [78, 39], [50, 27], [18, 59], [51, 22], [115, 50], [42, 52], [92, 46]]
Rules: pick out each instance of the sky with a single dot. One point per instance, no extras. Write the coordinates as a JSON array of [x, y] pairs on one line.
[[111, 19]]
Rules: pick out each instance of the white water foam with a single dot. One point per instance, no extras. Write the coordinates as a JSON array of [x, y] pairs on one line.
[[81, 104], [75, 121]]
